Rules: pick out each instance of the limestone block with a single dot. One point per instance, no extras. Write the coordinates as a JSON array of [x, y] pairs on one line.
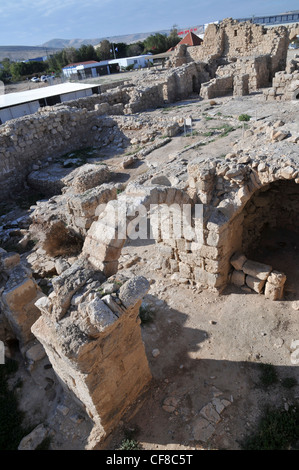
[[32, 440], [133, 290], [185, 270], [277, 136], [255, 284], [257, 270], [35, 353], [277, 279], [9, 260], [273, 292], [66, 285], [19, 308], [238, 278], [275, 285], [100, 315], [204, 278], [238, 260]]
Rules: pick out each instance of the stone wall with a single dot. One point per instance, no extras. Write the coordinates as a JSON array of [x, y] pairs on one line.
[[285, 87], [19, 292], [257, 69], [90, 330], [52, 132], [232, 39], [223, 187]]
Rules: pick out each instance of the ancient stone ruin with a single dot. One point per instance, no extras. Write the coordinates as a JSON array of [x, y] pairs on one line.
[[64, 296]]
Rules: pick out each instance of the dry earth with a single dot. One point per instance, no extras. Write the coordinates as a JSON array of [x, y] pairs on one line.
[[201, 347]]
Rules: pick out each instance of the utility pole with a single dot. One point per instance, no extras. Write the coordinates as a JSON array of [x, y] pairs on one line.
[[113, 51]]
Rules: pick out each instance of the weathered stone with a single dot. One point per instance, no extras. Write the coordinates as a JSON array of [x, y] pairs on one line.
[[238, 260], [238, 278], [133, 290], [34, 439], [258, 270], [203, 429], [35, 353], [255, 284]]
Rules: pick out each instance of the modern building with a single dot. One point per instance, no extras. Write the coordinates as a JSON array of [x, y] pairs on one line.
[[275, 20], [15, 105], [92, 68], [87, 69], [139, 61]]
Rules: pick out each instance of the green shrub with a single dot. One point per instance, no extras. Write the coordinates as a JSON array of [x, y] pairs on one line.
[[244, 117], [289, 382], [278, 429], [11, 418], [146, 315], [129, 444], [268, 375]]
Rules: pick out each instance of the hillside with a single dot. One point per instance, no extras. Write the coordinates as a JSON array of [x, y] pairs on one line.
[[127, 38], [25, 52]]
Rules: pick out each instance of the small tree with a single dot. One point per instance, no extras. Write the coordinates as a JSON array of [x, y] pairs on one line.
[[156, 43], [135, 49], [103, 51], [173, 38]]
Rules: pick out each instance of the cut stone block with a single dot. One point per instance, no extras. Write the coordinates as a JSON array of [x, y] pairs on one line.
[[255, 284], [273, 292], [238, 278], [258, 270], [238, 260], [277, 279]]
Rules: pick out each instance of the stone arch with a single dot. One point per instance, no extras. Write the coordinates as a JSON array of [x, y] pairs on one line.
[[294, 32], [296, 95], [225, 225], [107, 236], [195, 84]]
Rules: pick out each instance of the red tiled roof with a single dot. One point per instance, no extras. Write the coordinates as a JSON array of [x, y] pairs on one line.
[[191, 40]]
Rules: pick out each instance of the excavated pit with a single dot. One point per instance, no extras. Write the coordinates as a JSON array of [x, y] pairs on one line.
[[271, 231]]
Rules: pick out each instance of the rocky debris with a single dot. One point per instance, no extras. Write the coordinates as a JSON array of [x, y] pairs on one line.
[[87, 177], [35, 353], [129, 161], [204, 426], [55, 178], [19, 292], [257, 276], [275, 285], [34, 439]]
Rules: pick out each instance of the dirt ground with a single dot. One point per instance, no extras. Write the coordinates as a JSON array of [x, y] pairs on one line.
[[201, 346]]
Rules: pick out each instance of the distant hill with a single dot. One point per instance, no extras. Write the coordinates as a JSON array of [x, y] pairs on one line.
[[127, 38], [15, 53]]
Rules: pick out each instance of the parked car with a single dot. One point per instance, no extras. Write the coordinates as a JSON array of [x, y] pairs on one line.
[[43, 78], [35, 79]]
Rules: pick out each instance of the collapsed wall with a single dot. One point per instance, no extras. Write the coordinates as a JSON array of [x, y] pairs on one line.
[[238, 49], [90, 330], [231, 39]]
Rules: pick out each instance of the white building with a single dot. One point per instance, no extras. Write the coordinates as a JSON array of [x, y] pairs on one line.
[[88, 69], [92, 68], [15, 105], [137, 61]]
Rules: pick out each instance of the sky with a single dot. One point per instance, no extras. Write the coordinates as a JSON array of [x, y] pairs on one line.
[[34, 22]]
